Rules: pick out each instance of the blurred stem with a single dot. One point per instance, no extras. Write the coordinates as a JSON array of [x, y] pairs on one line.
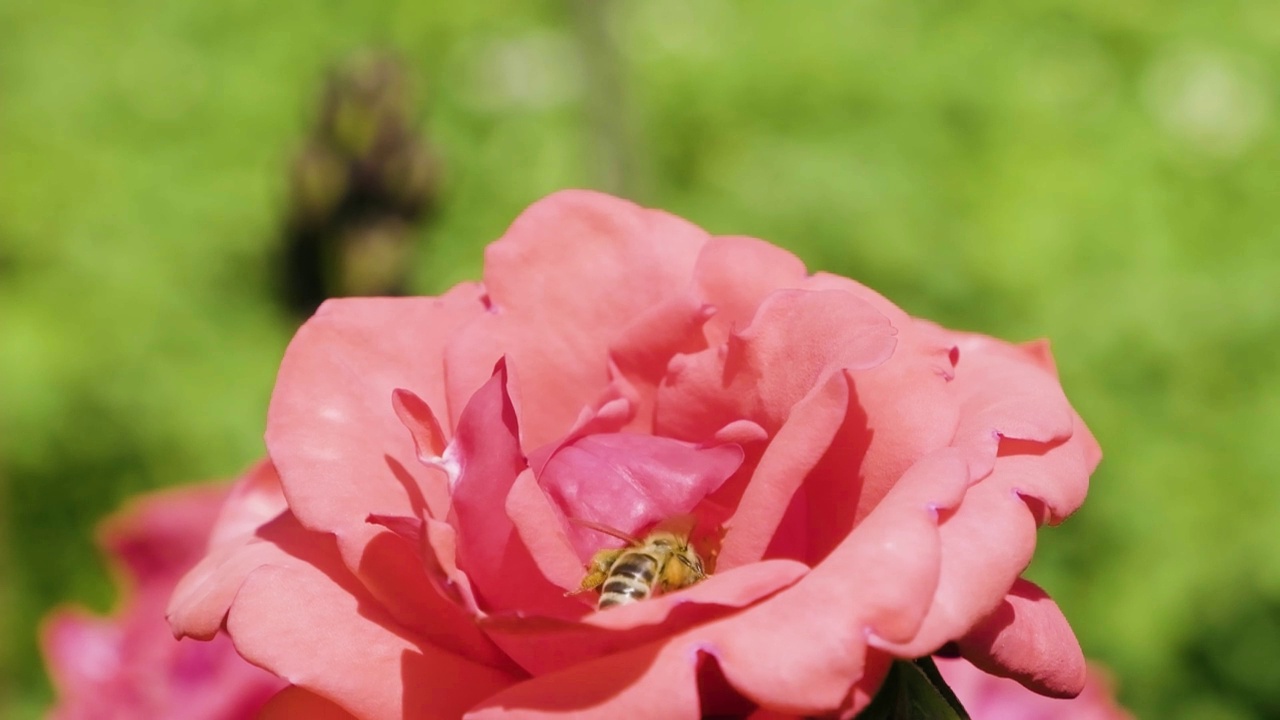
[[605, 99]]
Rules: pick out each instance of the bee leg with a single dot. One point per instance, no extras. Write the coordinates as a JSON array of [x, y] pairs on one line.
[[597, 570]]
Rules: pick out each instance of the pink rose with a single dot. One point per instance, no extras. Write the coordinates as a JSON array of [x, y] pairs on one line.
[[128, 666], [870, 483], [987, 697]]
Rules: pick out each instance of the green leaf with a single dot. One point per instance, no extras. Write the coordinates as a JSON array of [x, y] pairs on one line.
[[914, 691]]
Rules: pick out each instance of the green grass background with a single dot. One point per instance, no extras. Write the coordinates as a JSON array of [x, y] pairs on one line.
[[1103, 174]]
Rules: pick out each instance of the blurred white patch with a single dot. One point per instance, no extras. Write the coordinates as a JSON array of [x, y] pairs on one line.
[[1215, 104], [536, 71]]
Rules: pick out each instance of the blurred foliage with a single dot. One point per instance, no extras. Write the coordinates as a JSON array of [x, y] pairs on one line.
[[1098, 173]]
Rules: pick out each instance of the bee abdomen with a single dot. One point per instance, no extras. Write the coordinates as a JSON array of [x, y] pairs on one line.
[[630, 579], [618, 592]]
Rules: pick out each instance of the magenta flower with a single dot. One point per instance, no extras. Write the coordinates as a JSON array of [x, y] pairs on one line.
[[870, 484], [987, 697], [129, 665]]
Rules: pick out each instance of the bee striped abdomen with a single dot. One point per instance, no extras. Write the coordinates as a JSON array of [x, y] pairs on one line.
[[630, 579]]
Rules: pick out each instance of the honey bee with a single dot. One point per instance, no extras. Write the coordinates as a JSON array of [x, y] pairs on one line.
[[662, 561]]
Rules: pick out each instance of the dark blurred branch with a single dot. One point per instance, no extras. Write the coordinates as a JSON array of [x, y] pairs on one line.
[[358, 186]]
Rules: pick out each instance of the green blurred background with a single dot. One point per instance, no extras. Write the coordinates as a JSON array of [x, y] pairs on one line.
[[1100, 173]]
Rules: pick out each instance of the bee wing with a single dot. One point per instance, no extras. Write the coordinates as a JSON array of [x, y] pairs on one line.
[[601, 528], [679, 525]]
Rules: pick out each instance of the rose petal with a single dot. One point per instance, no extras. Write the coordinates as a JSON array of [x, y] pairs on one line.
[[901, 540], [804, 650], [908, 409], [429, 439], [796, 340], [440, 550], [991, 697], [254, 499], [660, 679], [867, 686], [284, 546], [1004, 394], [986, 542], [341, 451], [543, 645], [80, 650], [129, 666], [796, 448], [587, 265], [631, 482], [826, 281], [375, 671], [716, 697], [153, 536], [411, 529], [741, 432], [200, 601], [1038, 352], [294, 702], [785, 661], [763, 714], [767, 374], [731, 277], [504, 573], [735, 274], [541, 528], [430, 606], [433, 545], [643, 349], [609, 414], [837, 490], [1028, 639], [813, 633], [656, 681], [1056, 475]]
